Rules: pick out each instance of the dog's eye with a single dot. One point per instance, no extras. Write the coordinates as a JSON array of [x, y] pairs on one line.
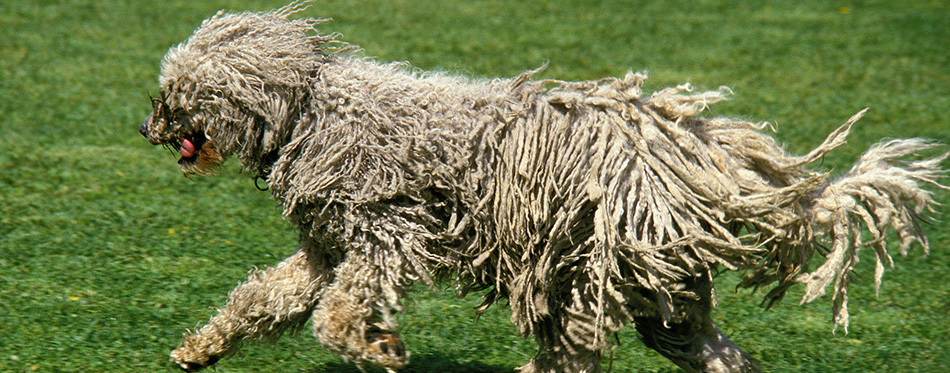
[[178, 115]]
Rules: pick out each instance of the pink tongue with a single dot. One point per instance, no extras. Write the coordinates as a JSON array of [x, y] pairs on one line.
[[187, 148]]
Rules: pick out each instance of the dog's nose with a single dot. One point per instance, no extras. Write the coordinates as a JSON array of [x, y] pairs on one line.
[[143, 129]]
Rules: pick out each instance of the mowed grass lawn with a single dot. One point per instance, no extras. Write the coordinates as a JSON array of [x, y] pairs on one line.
[[107, 253]]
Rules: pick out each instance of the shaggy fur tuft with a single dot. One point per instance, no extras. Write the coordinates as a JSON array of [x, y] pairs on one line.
[[587, 205]]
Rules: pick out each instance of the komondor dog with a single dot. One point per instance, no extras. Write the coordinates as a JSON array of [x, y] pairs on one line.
[[585, 205]]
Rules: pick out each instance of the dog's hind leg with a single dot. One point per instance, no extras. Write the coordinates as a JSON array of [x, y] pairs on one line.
[[268, 304], [569, 338], [696, 344], [556, 354]]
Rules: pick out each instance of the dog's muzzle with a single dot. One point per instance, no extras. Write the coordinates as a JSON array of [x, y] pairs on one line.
[[143, 129]]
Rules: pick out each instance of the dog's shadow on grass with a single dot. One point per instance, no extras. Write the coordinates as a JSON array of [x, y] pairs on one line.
[[421, 364]]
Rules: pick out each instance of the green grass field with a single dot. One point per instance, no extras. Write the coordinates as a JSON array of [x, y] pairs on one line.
[[107, 253]]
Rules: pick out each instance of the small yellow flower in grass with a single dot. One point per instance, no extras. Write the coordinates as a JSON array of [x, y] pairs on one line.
[[73, 297], [844, 10], [171, 231]]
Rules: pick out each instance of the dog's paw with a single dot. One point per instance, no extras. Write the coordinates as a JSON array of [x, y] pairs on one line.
[[387, 349], [189, 363]]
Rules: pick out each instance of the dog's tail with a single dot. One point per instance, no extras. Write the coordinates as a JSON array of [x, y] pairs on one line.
[[881, 192]]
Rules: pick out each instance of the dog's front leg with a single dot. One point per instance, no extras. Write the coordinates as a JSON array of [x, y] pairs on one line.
[[355, 316], [271, 302], [355, 320]]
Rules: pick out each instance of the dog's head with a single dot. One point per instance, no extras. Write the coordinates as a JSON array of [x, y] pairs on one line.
[[235, 87], [176, 128]]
